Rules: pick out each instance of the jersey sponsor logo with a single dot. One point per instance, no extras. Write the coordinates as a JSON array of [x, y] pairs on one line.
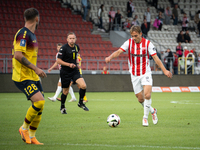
[[23, 42], [34, 41], [61, 49], [73, 50]]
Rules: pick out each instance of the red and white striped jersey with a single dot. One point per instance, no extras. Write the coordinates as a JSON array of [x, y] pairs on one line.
[[138, 55], [59, 66]]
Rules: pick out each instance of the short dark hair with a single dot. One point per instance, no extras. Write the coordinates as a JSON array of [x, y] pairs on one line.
[[30, 13], [71, 33], [59, 44]]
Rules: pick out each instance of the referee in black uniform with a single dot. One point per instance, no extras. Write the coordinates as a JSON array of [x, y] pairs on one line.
[[67, 58]]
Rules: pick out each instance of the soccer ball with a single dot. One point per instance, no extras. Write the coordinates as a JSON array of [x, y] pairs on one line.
[[113, 120]]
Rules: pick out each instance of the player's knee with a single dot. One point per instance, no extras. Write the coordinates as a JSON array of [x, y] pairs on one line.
[[147, 96], [84, 86], [39, 105], [65, 91]]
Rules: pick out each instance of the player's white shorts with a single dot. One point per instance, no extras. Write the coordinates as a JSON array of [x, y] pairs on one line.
[[139, 81], [59, 80]]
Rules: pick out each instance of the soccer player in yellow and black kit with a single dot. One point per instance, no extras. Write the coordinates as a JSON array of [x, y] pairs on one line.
[[26, 75]]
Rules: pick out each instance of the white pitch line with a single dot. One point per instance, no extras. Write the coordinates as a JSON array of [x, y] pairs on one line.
[[107, 145]]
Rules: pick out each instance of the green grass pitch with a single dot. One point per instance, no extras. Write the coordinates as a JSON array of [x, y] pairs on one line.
[[178, 126]]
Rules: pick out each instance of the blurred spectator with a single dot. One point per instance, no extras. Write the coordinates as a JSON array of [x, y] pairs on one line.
[[134, 23], [185, 51], [195, 55], [117, 21], [144, 28], [197, 20], [158, 21], [130, 8], [105, 71], [147, 16], [111, 16], [185, 22], [137, 22], [88, 10], [187, 37], [127, 24], [198, 65], [169, 58], [175, 63], [168, 15], [84, 6], [175, 14], [100, 14], [179, 50], [180, 37], [155, 3]]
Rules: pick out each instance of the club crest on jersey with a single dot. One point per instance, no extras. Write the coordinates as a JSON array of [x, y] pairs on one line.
[[23, 42]]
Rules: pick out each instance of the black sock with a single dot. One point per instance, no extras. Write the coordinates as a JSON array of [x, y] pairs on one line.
[[63, 99], [81, 95]]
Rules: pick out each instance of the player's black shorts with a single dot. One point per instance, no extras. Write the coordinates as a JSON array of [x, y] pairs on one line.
[[29, 87], [67, 77]]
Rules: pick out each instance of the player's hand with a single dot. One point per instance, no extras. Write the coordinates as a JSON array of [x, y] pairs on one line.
[[71, 65], [168, 74], [40, 72], [107, 59], [49, 70]]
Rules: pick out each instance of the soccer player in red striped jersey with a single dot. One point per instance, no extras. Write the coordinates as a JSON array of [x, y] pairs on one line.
[[139, 49]]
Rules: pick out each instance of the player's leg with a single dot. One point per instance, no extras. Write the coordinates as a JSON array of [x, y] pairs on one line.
[[84, 98], [147, 86], [65, 82], [32, 92], [81, 83], [37, 102], [63, 100], [71, 92], [58, 91]]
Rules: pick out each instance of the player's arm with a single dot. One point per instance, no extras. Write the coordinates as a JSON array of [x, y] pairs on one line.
[[113, 55], [63, 63], [24, 61], [78, 62], [54, 65], [160, 64]]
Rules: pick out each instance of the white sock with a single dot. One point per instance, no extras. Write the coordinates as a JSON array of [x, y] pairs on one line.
[[58, 91], [147, 105], [71, 92], [151, 108]]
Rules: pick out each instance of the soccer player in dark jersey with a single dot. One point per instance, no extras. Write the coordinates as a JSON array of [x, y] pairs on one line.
[[26, 74], [67, 58]]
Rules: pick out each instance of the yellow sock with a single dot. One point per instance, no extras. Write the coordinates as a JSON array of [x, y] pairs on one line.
[[25, 125], [85, 98], [32, 133], [33, 112]]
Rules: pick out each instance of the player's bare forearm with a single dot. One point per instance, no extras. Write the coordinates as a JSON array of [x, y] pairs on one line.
[[54, 65], [160, 64], [113, 55]]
